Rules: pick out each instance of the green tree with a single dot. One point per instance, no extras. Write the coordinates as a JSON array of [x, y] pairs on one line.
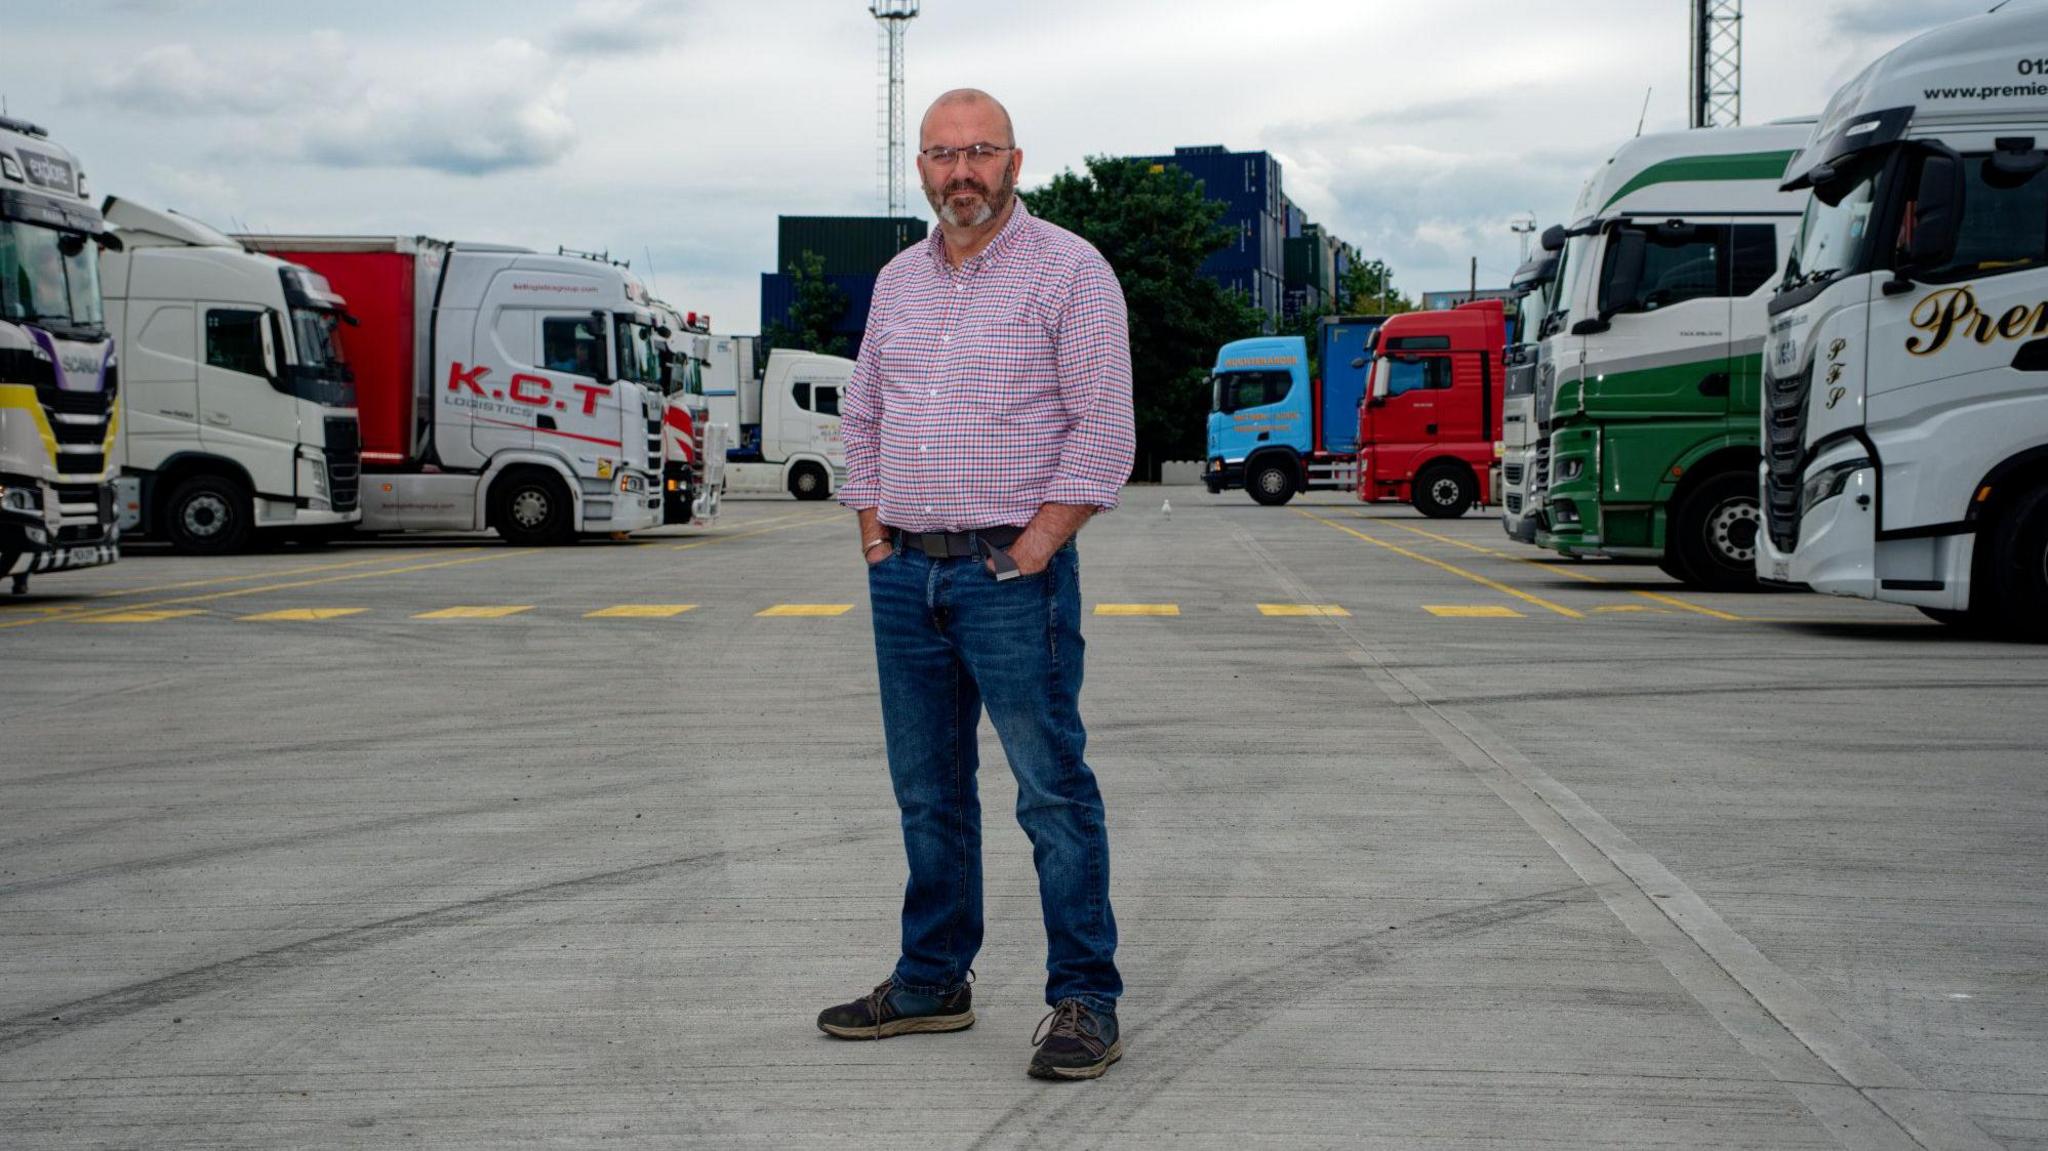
[[814, 316], [1367, 290], [1155, 227]]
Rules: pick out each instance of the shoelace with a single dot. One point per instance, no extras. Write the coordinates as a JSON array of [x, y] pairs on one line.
[[1069, 1020]]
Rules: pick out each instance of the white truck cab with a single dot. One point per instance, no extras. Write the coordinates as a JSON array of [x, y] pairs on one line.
[[1906, 399], [789, 425], [238, 415], [693, 447], [1524, 409]]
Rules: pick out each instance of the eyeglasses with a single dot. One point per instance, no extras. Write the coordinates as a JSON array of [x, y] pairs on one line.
[[943, 156]]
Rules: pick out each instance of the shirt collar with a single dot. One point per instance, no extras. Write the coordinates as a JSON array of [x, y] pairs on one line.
[[1019, 214]]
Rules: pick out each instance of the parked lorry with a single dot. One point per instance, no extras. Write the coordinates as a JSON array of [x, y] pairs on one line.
[[787, 419], [497, 387], [1653, 427], [59, 375], [1525, 408], [1906, 414], [1275, 427], [693, 447], [237, 409], [1428, 431]]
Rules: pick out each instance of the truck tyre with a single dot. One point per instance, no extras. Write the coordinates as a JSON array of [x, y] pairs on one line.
[[208, 515], [808, 481], [531, 508], [1713, 534], [1271, 482], [2019, 564], [1443, 492]]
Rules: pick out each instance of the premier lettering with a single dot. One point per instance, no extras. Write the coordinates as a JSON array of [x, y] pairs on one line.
[[1944, 315]]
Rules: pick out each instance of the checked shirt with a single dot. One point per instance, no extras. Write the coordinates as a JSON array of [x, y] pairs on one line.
[[984, 391]]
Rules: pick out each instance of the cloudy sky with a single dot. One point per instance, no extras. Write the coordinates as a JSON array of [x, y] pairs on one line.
[[673, 132]]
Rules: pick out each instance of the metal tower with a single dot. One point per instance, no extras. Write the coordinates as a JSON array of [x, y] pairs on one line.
[[1716, 63], [892, 17]]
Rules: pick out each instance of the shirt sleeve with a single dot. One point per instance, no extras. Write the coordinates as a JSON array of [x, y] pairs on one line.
[[860, 417], [1094, 356]]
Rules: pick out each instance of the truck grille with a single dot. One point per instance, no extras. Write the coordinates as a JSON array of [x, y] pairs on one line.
[[1784, 453], [1511, 472], [344, 463], [79, 421], [653, 414], [1514, 503], [1542, 479]]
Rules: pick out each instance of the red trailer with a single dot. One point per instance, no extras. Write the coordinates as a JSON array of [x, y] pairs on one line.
[[1429, 429]]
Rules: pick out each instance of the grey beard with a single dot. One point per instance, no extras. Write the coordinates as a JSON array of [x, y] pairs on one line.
[[982, 215]]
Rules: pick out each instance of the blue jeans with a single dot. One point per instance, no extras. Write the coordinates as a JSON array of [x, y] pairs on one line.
[[950, 641]]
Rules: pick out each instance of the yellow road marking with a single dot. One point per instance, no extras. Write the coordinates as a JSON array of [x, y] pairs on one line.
[[476, 611], [1473, 611], [641, 611], [303, 614], [288, 586], [1627, 607], [805, 610], [1577, 575], [1154, 609], [138, 616], [1454, 569], [1302, 609], [124, 592]]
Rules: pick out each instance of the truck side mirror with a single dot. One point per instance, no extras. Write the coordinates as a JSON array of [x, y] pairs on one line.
[[601, 326], [1358, 361], [1378, 394], [1622, 278], [1553, 238], [1937, 212]]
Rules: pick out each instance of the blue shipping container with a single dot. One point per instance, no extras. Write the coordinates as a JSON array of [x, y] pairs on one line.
[[1340, 342]]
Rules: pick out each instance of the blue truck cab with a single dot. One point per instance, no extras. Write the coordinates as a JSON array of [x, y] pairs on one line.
[[1273, 429]]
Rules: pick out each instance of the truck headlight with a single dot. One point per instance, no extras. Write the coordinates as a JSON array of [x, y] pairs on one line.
[[1571, 468], [20, 498], [1828, 482]]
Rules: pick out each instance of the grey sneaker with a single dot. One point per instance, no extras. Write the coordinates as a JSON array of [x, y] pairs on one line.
[[1075, 1042], [892, 1010]]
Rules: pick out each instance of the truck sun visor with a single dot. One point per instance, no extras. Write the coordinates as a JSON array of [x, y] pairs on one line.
[[1860, 134]]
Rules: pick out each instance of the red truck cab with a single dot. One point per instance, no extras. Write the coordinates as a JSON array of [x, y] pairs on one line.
[[1429, 426]]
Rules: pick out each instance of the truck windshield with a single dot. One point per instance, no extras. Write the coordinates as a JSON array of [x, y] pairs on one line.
[[321, 373], [638, 361], [1238, 390], [685, 376], [50, 278], [1834, 238]]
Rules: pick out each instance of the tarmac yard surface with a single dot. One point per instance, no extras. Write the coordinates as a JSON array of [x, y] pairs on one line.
[[1419, 840]]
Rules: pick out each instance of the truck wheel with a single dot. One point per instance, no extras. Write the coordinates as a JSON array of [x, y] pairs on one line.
[[1713, 533], [1271, 483], [2019, 564], [208, 516], [532, 509], [809, 482], [1443, 492]]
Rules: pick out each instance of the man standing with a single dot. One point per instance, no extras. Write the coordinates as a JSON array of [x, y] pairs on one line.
[[989, 416]]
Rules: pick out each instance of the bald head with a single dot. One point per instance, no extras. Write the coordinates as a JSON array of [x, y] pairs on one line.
[[967, 106]]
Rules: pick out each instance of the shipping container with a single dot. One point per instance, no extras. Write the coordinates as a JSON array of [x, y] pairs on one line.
[[850, 245]]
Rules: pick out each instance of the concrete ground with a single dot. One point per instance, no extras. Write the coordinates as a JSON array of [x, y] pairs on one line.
[[445, 843]]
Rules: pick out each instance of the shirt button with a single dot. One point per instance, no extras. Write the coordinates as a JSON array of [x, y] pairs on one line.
[[935, 393], [927, 509], [924, 447]]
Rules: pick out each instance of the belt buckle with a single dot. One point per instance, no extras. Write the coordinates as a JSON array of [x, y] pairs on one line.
[[933, 544]]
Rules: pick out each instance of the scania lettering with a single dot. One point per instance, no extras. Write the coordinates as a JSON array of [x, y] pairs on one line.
[[238, 411], [59, 376], [1428, 431], [1275, 429], [1653, 426], [1906, 421], [497, 387]]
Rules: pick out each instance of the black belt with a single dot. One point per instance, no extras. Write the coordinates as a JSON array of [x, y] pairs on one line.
[[987, 542]]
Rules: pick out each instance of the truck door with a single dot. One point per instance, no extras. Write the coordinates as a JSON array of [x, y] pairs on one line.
[[1664, 294], [244, 413], [1966, 341], [824, 409], [1408, 418]]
